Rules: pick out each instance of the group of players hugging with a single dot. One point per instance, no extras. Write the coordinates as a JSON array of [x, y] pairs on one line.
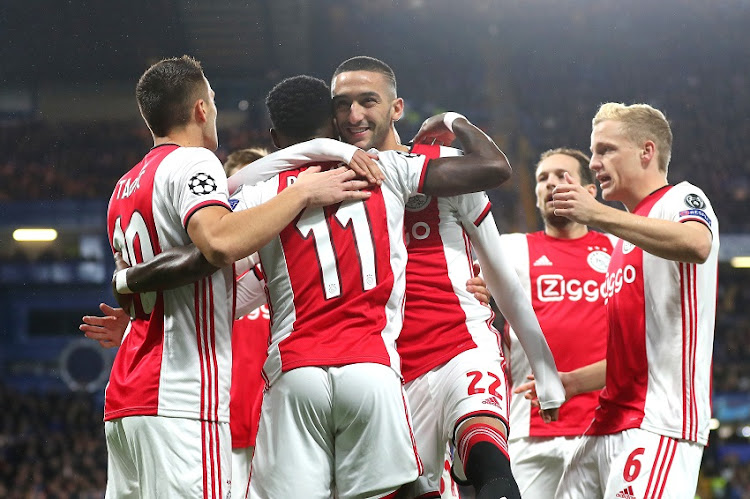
[[366, 363]]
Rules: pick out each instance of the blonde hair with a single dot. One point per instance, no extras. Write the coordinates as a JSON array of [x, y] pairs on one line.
[[243, 157], [640, 122]]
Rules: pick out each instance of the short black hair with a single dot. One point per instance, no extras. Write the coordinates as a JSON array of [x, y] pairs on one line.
[[366, 63], [165, 93], [299, 106]]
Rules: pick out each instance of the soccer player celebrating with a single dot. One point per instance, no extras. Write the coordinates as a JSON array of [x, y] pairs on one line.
[[167, 400], [562, 269], [452, 363], [339, 338], [649, 431]]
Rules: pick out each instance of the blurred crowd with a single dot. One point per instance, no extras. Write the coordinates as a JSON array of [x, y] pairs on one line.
[[51, 446]]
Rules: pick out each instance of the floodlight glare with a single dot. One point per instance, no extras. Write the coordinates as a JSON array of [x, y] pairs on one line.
[[26, 235], [740, 262]]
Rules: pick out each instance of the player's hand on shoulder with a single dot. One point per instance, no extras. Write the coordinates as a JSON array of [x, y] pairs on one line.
[[364, 165], [331, 186], [434, 131]]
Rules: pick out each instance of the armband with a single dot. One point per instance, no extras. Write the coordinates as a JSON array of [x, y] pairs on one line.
[[121, 282], [450, 117]]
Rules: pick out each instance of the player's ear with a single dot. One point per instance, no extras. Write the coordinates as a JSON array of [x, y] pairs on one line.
[[275, 139], [648, 152], [397, 109], [591, 188], [199, 111]]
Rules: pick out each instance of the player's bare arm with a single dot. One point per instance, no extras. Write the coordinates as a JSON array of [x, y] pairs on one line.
[[311, 151], [169, 269], [483, 166], [224, 236], [682, 242], [582, 380]]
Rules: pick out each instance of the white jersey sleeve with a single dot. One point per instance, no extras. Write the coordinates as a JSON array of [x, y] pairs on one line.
[[250, 292], [292, 157], [198, 181], [513, 301], [405, 170]]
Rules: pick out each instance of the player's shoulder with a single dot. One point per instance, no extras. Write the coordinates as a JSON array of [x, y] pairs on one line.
[[602, 237], [395, 153], [691, 195], [513, 238], [189, 161], [194, 155]]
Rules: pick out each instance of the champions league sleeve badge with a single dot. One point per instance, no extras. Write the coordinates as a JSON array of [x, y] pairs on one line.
[[695, 201], [201, 184]]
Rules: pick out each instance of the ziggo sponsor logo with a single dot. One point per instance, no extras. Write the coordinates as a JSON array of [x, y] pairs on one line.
[[554, 287], [615, 280]]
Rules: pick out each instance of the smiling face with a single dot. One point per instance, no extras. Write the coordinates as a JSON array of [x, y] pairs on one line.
[[615, 160], [365, 107]]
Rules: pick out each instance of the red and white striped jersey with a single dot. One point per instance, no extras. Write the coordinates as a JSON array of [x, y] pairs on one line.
[[661, 317], [249, 342], [175, 360], [335, 275], [564, 280], [441, 318]]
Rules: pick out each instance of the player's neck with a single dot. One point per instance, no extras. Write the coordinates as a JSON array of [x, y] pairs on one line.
[[392, 143], [184, 138], [568, 231], [636, 191]]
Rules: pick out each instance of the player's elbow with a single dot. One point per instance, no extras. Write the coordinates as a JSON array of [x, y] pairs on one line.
[[701, 250], [217, 255], [498, 170]]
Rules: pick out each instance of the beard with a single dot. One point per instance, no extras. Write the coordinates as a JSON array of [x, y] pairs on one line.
[[556, 221]]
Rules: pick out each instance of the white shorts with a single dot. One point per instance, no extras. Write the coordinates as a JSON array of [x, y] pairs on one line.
[[338, 428], [471, 384], [155, 456], [241, 459], [538, 463], [632, 464]]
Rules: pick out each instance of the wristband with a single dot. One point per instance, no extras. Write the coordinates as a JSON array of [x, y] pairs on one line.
[[450, 117], [121, 282]]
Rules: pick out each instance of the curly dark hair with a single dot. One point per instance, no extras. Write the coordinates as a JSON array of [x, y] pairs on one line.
[[166, 91], [299, 106]]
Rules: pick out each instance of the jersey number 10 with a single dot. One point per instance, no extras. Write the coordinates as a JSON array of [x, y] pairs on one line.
[[125, 243]]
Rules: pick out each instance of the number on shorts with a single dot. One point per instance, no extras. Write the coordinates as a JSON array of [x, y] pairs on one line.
[[633, 465], [354, 214], [476, 377]]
